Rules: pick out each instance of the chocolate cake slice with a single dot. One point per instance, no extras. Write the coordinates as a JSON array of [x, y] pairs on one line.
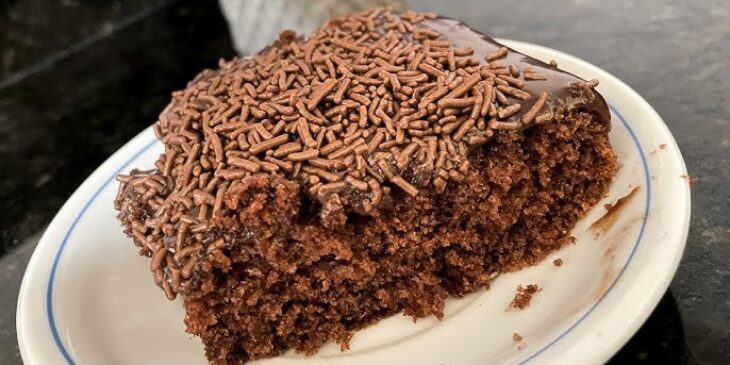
[[380, 165]]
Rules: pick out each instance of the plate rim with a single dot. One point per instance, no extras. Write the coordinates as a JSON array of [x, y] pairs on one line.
[[98, 180], [683, 204]]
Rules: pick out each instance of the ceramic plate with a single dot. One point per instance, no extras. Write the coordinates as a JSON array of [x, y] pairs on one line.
[[88, 299]]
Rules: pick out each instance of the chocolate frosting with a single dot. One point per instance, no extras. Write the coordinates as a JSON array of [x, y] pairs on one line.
[[558, 83]]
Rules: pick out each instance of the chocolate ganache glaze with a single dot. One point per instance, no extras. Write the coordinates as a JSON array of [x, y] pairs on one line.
[[558, 83]]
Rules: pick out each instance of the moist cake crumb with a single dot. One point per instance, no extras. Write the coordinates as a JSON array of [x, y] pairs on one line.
[[558, 262], [379, 166], [523, 297]]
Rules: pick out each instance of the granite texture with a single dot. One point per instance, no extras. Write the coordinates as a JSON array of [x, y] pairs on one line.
[[93, 74], [32, 33]]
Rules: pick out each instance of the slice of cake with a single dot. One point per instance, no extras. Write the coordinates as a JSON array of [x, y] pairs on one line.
[[384, 163]]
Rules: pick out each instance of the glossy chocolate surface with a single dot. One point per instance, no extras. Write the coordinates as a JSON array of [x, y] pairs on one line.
[[558, 83]]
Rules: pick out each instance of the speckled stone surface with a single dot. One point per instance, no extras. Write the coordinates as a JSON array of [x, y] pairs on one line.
[[95, 75]]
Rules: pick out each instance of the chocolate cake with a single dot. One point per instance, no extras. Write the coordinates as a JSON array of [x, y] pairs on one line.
[[380, 165]]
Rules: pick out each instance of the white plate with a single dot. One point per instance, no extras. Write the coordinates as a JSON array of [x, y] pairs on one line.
[[88, 299]]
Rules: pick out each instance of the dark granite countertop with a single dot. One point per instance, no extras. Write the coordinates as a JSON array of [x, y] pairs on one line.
[[79, 78]]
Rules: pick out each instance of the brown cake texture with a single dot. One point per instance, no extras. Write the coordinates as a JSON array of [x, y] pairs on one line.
[[379, 166]]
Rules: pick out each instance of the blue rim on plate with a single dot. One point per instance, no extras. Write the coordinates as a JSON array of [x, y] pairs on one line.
[[56, 259]]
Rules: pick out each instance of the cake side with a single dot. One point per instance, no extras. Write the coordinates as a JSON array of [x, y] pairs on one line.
[[416, 160], [313, 285]]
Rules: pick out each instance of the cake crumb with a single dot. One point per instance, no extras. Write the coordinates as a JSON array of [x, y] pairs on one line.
[[558, 262], [516, 337], [523, 297], [568, 240], [691, 180], [663, 146]]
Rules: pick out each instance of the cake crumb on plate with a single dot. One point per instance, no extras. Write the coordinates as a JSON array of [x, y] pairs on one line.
[[523, 297], [691, 180]]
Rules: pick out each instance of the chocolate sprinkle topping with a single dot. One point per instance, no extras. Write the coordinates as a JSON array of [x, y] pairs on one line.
[[375, 97]]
